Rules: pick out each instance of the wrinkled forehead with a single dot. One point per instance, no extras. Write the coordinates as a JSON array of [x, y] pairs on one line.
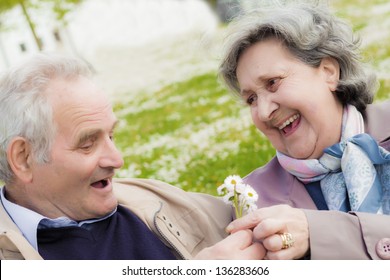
[[78, 100], [74, 90]]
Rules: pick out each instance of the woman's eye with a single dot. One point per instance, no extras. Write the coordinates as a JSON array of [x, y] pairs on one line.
[[251, 99], [273, 84]]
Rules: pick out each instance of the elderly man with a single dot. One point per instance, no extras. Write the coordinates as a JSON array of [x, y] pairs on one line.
[[57, 160]]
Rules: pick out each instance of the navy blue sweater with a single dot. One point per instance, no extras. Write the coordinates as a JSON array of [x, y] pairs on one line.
[[123, 236]]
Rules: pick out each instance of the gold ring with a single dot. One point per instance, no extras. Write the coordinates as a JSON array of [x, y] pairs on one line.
[[287, 240]]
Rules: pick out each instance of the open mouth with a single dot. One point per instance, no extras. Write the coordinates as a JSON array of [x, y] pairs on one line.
[[289, 125], [100, 184]]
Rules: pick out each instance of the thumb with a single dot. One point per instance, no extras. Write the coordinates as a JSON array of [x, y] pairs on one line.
[[240, 239], [248, 221]]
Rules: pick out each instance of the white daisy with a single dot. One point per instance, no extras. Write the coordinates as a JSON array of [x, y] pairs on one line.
[[233, 180], [240, 188], [228, 198], [250, 207], [225, 189], [239, 195], [250, 194]]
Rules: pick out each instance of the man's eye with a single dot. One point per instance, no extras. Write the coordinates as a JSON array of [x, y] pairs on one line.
[[251, 99], [87, 146]]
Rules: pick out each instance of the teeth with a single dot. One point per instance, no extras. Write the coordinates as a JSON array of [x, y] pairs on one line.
[[290, 120]]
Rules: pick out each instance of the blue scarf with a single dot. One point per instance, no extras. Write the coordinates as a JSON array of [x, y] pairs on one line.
[[354, 174]]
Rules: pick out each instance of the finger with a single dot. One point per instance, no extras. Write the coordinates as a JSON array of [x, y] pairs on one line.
[[240, 239], [246, 222], [244, 238], [231, 248], [256, 251], [250, 220], [285, 254], [268, 227], [273, 243]]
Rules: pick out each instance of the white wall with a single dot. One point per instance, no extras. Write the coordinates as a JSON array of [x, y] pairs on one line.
[[102, 24]]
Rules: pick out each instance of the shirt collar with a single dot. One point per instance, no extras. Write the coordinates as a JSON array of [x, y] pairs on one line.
[[28, 221], [25, 219]]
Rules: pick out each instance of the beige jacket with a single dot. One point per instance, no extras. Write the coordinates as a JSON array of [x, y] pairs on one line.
[[186, 222]]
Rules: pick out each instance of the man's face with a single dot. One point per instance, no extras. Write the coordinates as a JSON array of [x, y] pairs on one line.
[[77, 182]]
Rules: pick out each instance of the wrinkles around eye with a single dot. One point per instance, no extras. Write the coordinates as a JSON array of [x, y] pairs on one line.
[[251, 99]]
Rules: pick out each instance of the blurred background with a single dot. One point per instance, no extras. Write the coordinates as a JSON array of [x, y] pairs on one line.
[[158, 60]]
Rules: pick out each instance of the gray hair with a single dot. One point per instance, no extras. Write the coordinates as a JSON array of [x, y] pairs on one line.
[[311, 33], [25, 110]]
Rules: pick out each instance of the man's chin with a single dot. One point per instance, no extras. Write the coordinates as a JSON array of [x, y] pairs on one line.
[[106, 207]]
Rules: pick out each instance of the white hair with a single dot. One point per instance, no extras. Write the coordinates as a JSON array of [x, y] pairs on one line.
[[310, 32], [25, 110]]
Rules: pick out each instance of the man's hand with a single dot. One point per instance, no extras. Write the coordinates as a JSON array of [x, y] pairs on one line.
[[269, 222], [238, 246]]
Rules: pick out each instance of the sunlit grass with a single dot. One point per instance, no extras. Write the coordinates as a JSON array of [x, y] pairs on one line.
[[193, 134], [371, 20]]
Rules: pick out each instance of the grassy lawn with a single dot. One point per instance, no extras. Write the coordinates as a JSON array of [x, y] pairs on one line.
[[193, 134]]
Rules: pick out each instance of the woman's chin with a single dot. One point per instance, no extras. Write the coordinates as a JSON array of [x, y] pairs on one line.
[[304, 153]]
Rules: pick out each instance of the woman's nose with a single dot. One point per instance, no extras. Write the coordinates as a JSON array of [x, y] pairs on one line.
[[266, 106]]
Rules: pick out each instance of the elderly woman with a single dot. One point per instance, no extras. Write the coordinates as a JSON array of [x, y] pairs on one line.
[[326, 193]]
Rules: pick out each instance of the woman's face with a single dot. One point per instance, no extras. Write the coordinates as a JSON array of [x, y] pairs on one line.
[[291, 102]]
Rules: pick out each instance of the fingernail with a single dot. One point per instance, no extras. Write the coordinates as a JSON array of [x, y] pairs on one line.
[[229, 228]]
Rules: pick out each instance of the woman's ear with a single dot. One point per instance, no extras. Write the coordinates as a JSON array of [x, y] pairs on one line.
[[331, 69], [20, 159]]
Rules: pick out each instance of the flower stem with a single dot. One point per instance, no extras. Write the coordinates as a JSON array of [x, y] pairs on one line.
[[237, 206]]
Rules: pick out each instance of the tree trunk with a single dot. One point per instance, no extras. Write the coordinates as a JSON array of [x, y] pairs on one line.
[[31, 24]]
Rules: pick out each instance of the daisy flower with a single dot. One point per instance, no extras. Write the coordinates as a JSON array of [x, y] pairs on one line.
[[241, 196]]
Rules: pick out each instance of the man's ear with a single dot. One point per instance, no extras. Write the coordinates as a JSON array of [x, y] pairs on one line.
[[331, 69], [20, 158]]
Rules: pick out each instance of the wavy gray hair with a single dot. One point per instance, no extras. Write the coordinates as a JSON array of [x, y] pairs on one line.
[[25, 110], [311, 33]]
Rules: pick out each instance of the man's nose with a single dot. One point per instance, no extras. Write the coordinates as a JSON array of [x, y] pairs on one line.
[[112, 157]]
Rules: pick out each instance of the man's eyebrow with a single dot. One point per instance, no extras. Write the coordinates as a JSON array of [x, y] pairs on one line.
[[92, 133], [87, 135]]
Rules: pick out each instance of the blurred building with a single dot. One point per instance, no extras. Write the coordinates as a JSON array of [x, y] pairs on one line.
[[101, 24]]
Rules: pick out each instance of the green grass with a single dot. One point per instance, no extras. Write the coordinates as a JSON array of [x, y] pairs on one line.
[[369, 19], [193, 134]]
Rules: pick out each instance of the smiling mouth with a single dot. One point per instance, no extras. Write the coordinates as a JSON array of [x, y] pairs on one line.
[[100, 184], [290, 124]]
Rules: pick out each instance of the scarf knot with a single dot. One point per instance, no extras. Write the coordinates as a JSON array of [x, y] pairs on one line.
[[358, 179], [354, 174]]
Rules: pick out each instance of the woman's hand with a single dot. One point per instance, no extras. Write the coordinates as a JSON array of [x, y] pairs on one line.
[[238, 245], [269, 223]]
